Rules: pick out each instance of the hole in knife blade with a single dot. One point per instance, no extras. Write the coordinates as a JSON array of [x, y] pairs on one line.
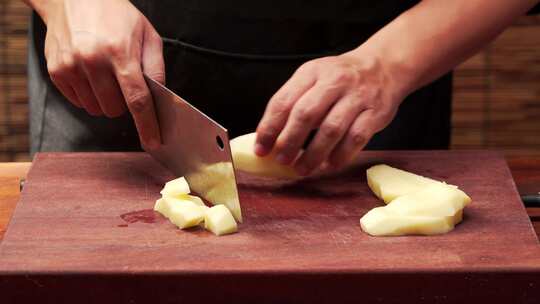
[[220, 143]]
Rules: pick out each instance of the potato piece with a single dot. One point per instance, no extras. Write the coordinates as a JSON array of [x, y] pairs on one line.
[[218, 180], [245, 159], [387, 183], [176, 187], [187, 214], [437, 199], [416, 204], [219, 220], [382, 222], [162, 207], [183, 199]]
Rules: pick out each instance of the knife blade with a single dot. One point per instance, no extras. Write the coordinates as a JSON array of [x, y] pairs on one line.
[[196, 147]]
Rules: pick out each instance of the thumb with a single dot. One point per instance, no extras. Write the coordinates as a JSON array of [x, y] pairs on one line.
[[152, 54]]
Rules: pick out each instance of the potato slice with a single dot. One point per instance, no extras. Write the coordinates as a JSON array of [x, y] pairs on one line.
[[416, 204], [162, 207], [219, 220], [187, 214], [382, 222], [437, 199], [245, 159], [176, 187], [387, 183], [218, 179]]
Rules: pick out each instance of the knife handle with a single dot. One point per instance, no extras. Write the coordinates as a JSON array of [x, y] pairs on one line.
[[531, 201]]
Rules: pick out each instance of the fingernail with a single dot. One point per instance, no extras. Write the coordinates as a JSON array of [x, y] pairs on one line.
[[282, 159], [260, 149]]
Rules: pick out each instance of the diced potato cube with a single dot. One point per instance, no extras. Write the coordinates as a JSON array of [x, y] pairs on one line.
[[176, 187], [186, 215], [219, 220]]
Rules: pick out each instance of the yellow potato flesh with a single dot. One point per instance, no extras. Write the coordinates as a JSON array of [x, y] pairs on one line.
[[245, 159], [184, 213], [416, 205], [219, 220], [175, 188], [387, 183], [218, 180], [435, 200], [382, 222]]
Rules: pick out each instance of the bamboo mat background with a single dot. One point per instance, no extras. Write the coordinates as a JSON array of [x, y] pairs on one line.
[[496, 93]]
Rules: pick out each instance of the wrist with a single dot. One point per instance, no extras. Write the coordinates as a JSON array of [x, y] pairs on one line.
[[42, 7]]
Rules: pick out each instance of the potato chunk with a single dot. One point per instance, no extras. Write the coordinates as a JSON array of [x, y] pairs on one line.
[[176, 187], [245, 159], [219, 220], [186, 214], [218, 180]]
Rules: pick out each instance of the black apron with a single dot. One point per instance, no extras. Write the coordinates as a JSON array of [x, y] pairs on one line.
[[228, 58]]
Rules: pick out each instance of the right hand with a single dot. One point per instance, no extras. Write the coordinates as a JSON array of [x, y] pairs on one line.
[[97, 51]]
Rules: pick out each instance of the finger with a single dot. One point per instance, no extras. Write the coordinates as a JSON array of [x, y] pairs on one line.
[[139, 102], [60, 72], [106, 89], [85, 94], [278, 109], [152, 55], [310, 109], [331, 131], [358, 135], [69, 93]]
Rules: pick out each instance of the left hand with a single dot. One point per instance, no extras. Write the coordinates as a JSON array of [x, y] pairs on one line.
[[347, 98]]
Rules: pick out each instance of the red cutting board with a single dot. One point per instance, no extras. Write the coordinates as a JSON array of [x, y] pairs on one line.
[[85, 220]]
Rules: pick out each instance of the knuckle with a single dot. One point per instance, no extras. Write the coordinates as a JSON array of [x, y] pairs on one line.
[[85, 54], [138, 102], [304, 116], [358, 137], [331, 129]]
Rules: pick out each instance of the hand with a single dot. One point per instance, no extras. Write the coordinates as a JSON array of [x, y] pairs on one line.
[[348, 98], [97, 51]]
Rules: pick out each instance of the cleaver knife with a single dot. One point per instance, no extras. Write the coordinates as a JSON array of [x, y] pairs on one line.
[[196, 147]]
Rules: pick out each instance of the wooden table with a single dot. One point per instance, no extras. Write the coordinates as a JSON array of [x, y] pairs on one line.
[[524, 164]]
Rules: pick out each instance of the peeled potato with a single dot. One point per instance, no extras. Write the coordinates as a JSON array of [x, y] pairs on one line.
[[219, 220], [387, 182], [219, 184], [186, 214], [245, 159], [162, 207], [382, 222], [416, 204], [184, 198], [176, 187], [437, 199]]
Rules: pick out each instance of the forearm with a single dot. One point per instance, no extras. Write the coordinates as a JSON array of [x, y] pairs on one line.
[[434, 36]]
